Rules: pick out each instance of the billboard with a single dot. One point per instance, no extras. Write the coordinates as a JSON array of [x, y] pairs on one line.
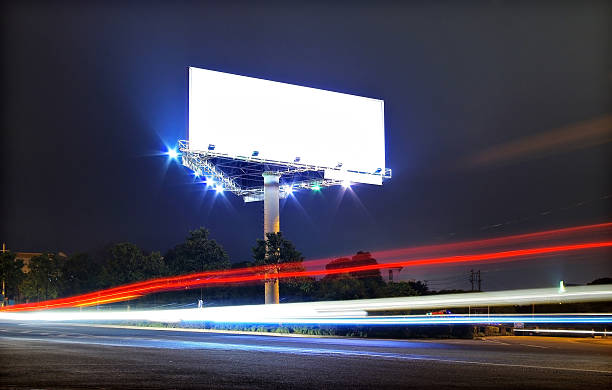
[[243, 116]]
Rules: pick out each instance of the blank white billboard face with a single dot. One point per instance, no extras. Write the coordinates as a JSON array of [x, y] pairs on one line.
[[240, 115]]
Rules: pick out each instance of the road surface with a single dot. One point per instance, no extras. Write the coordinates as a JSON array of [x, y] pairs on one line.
[[39, 355]]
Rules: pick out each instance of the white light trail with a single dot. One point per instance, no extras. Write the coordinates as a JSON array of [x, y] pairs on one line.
[[568, 331], [245, 315], [358, 312]]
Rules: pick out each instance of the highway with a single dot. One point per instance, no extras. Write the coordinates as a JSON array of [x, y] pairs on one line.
[[58, 355]]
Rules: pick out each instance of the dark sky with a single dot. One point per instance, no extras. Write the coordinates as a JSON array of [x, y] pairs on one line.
[[497, 122]]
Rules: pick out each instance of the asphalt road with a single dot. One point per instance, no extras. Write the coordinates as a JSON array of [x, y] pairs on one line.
[[35, 355]]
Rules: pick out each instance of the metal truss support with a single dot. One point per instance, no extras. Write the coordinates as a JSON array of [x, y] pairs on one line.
[[241, 175], [203, 167]]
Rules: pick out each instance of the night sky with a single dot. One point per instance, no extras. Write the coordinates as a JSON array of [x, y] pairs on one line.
[[498, 121]]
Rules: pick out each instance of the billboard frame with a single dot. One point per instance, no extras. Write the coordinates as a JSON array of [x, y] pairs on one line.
[[260, 179], [246, 169]]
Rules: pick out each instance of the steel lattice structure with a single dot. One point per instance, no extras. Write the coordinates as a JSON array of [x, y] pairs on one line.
[[242, 175]]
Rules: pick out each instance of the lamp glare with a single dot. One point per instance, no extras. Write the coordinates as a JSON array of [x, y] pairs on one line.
[[172, 154]]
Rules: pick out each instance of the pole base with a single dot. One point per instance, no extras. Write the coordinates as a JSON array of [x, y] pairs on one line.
[[271, 290]]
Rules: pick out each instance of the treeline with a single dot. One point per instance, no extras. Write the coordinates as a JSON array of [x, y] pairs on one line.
[[51, 275]]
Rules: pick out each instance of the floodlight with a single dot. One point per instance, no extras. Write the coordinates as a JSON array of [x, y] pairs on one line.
[[219, 188], [289, 189], [197, 173], [316, 187], [346, 184], [172, 153], [210, 181]]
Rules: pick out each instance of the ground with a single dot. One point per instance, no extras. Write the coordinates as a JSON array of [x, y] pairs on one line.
[[35, 355]]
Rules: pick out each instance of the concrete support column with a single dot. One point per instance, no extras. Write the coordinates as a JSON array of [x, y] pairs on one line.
[[271, 225], [272, 290]]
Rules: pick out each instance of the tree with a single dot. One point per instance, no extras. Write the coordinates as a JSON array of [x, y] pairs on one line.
[[342, 287], [126, 263], [353, 284], [41, 282], [281, 255], [360, 259], [600, 281], [404, 289], [198, 253], [11, 274], [275, 250], [80, 273]]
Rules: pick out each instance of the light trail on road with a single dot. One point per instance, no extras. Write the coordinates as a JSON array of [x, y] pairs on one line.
[[193, 316], [359, 312], [565, 331], [135, 290], [567, 235]]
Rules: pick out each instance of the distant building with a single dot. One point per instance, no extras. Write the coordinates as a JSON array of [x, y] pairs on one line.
[[26, 257]]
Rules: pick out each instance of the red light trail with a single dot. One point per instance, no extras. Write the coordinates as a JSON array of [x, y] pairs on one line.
[[135, 290], [409, 263], [556, 234]]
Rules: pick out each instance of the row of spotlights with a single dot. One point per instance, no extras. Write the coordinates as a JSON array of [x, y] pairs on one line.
[[289, 188], [173, 154], [316, 187]]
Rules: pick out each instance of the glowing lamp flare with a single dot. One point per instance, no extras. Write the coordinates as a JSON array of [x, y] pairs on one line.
[[173, 154]]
